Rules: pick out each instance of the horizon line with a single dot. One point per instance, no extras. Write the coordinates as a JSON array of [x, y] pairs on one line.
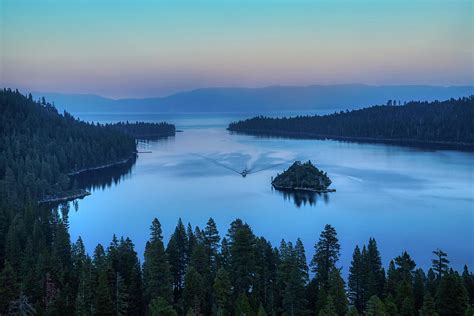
[[233, 87]]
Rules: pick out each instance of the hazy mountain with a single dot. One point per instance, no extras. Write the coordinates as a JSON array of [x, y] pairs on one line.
[[274, 98]]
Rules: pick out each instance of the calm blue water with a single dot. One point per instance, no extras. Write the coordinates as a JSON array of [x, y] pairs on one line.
[[407, 198]]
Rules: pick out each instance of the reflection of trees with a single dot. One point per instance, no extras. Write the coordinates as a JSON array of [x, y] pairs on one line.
[[104, 178], [304, 197]]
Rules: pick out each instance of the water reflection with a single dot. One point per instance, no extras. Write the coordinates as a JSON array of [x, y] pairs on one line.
[[303, 198], [105, 178]]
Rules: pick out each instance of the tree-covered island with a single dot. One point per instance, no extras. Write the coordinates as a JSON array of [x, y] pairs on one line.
[[303, 177]]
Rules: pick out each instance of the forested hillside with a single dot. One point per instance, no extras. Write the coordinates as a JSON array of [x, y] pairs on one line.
[[439, 122], [39, 147]]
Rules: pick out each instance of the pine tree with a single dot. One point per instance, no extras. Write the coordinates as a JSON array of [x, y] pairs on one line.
[[78, 253], [451, 296], [21, 306], [9, 288], [376, 274], [211, 240], [356, 280], [242, 250], [408, 307], [440, 263], [62, 244], [291, 277], [390, 306], [85, 290], [103, 304], [375, 307], [265, 276], [428, 308], [191, 240], [242, 306], [224, 257], [199, 260], [326, 255], [431, 283], [301, 259], [222, 290], [405, 267], [468, 280], [337, 291], [321, 300], [99, 258], [120, 296], [12, 243], [156, 271], [177, 256], [328, 309], [419, 288], [404, 298], [194, 292], [312, 292], [160, 307], [392, 280]]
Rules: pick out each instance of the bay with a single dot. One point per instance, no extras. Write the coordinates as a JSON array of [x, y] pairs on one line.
[[406, 198]]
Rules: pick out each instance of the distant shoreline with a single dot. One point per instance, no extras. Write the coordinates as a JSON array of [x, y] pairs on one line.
[[394, 141]]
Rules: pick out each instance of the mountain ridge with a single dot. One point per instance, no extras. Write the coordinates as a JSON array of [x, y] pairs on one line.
[[265, 99]]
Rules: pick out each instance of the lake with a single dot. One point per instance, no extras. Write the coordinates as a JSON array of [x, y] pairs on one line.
[[406, 198]]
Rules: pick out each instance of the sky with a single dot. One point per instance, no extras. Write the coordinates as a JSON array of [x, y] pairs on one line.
[[154, 48]]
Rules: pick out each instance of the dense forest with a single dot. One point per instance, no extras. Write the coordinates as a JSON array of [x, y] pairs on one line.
[[198, 271], [438, 122], [143, 130], [39, 148], [302, 176]]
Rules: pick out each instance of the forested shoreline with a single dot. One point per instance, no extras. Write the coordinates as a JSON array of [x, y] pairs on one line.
[[144, 130], [443, 123], [40, 147]]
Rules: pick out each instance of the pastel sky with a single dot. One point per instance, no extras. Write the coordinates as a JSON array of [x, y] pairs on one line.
[[150, 48]]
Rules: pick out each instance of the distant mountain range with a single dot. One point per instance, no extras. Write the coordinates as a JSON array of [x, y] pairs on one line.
[[256, 100]]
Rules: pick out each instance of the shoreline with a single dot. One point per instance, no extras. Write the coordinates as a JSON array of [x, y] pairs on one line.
[[301, 189], [80, 193], [120, 162], [65, 196], [153, 136], [396, 141]]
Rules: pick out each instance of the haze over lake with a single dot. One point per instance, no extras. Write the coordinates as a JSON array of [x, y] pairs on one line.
[[407, 198]]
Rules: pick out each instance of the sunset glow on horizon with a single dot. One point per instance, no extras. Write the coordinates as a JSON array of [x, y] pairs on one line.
[[152, 48]]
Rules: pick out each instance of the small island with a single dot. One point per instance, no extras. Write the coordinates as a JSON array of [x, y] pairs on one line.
[[303, 177]]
